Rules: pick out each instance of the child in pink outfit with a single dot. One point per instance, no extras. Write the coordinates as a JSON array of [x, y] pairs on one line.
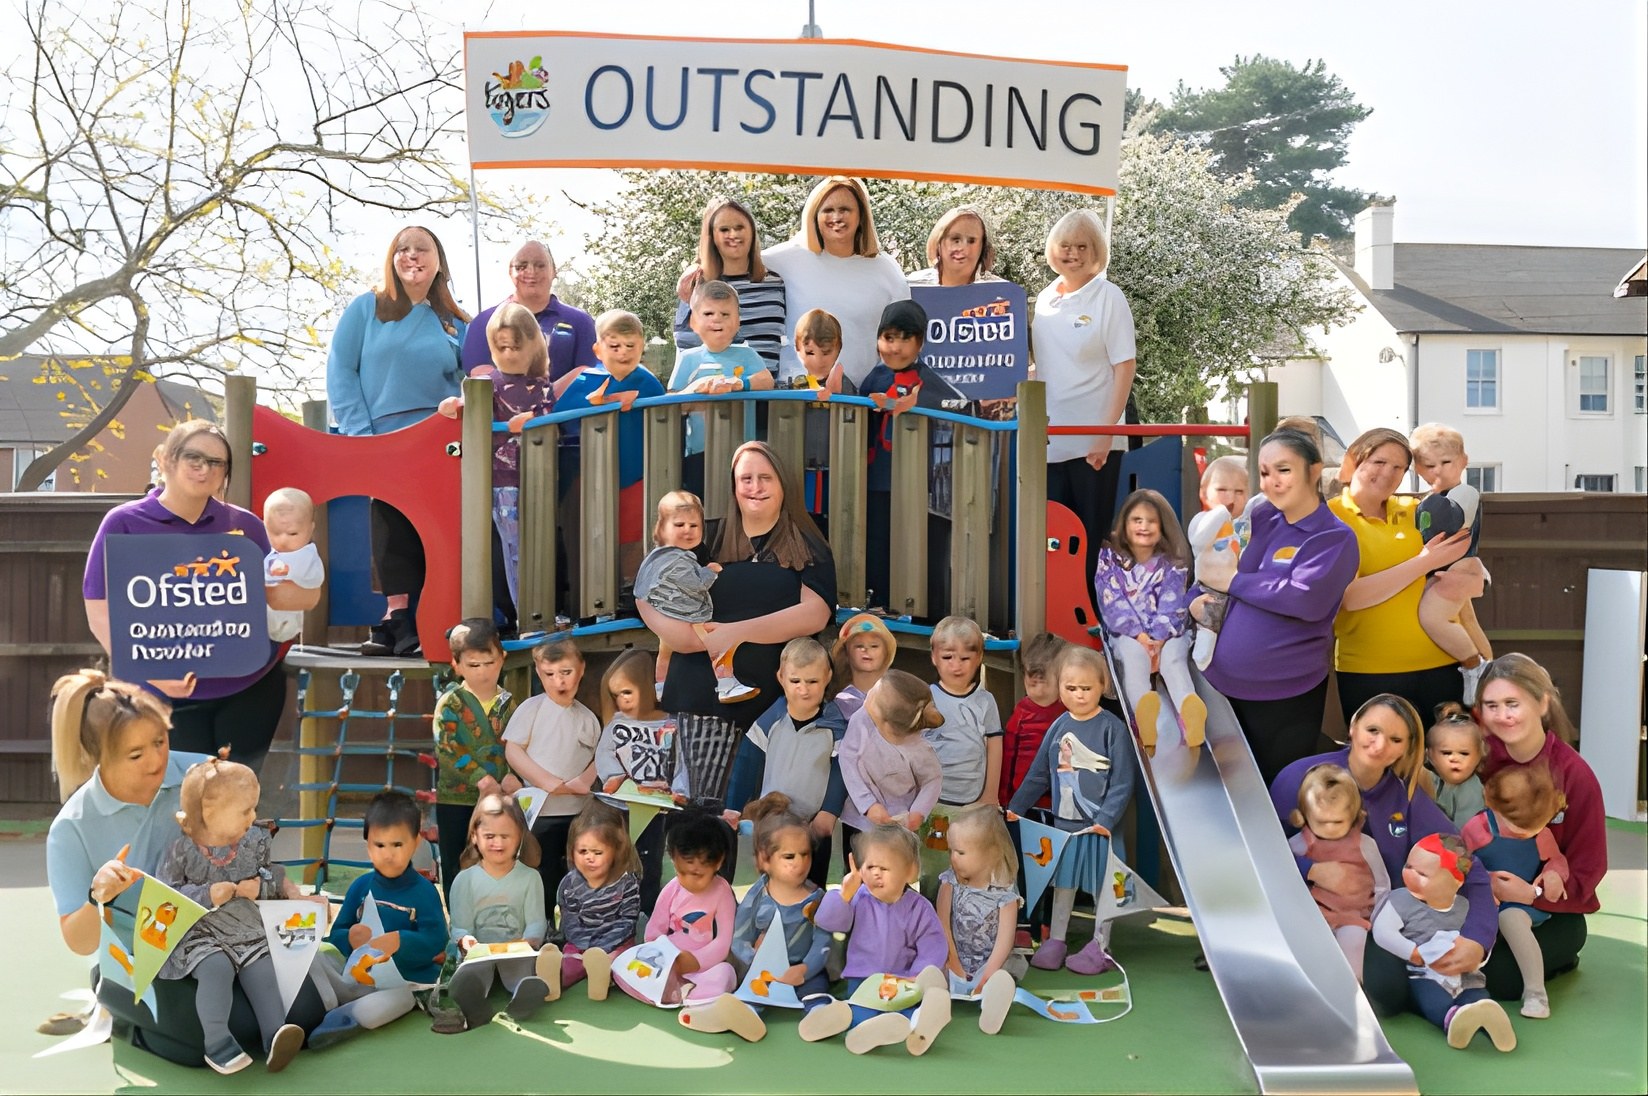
[[696, 909]]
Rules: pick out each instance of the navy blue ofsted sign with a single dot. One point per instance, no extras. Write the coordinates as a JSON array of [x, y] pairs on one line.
[[977, 337], [185, 603]]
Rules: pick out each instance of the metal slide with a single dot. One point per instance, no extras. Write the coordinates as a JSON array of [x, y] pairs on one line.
[[1296, 1007]]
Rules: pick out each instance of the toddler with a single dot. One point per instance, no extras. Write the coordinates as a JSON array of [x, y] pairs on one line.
[[1454, 748], [717, 365], [1419, 921], [222, 861], [895, 948], [1033, 714], [599, 902], [890, 771], [1445, 609], [898, 382], [818, 347], [1144, 602], [414, 925], [521, 391], [791, 750], [978, 907], [289, 518], [497, 898], [696, 909], [1510, 835], [673, 582], [638, 743], [620, 341], [1225, 483], [783, 899], [1329, 819], [469, 723], [863, 651], [968, 742], [1088, 767], [550, 744]]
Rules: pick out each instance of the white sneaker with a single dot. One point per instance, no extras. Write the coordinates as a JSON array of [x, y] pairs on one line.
[[1472, 675], [658, 689], [729, 690], [1536, 1005]]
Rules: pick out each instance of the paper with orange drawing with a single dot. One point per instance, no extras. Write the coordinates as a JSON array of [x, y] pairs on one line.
[[760, 985], [295, 929]]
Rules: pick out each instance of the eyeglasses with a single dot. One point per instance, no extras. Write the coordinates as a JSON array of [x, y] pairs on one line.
[[199, 461]]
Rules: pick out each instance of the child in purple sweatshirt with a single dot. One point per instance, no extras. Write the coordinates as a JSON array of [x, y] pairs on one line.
[[896, 988]]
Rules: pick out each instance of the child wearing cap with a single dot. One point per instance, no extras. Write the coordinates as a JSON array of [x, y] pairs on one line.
[[898, 382], [863, 651]]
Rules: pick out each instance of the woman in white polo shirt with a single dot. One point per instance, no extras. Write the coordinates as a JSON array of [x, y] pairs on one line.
[[1082, 343]]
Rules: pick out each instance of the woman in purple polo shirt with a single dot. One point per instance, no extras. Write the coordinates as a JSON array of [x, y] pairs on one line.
[[1275, 648], [207, 712]]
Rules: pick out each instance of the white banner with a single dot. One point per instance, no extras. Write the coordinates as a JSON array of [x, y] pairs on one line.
[[809, 106]]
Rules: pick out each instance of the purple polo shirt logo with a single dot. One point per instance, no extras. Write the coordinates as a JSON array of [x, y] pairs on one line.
[[1398, 825]]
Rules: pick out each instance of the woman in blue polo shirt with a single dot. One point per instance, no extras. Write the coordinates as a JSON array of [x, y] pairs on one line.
[[208, 713]]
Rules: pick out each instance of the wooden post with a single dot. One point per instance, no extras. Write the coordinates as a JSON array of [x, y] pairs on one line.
[[317, 622], [786, 432], [475, 507], [535, 601], [663, 457], [239, 397], [723, 434], [970, 524], [907, 574], [598, 470], [1031, 535], [849, 442], [1262, 400]]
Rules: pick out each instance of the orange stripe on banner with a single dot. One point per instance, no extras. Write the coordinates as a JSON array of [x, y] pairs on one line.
[[783, 42], [795, 169]]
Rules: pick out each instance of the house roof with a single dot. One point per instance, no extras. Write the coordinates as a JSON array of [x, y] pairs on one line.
[[32, 415], [1495, 288]]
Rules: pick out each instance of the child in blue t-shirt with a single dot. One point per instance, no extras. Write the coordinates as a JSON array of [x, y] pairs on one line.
[[619, 341], [718, 366], [898, 382], [414, 925]]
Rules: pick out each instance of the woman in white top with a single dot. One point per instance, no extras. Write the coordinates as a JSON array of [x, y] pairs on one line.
[[960, 251], [1082, 341], [835, 262]]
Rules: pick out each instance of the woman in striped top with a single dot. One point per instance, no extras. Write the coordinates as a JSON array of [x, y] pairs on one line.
[[730, 251]]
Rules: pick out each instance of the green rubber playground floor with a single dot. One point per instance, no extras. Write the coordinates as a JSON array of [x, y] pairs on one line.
[[1177, 1038]]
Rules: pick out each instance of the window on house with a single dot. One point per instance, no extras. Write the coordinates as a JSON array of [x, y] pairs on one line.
[[1640, 382], [1482, 379], [1593, 384], [1483, 477], [1641, 479], [1594, 483]]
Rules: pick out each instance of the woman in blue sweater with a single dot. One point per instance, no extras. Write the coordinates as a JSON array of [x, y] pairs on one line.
[[395, 355]]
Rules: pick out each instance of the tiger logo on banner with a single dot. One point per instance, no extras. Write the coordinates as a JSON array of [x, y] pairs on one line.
[[164, 917]]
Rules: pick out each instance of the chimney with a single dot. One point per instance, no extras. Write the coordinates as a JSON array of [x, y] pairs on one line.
[[1375, 250]]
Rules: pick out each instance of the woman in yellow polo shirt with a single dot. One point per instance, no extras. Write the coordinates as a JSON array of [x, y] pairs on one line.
[[1380, 646]]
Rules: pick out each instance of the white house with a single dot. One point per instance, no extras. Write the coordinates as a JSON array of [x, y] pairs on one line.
[[1526, 350]]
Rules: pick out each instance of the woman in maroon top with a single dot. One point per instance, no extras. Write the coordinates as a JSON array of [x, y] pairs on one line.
[[1521, 711]]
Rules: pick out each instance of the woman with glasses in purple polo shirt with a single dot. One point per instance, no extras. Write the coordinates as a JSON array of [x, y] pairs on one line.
[[207, 712]]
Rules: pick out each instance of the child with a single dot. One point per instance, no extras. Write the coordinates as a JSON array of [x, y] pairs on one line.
[[414, 925], [894, 933], [1144, 602], [1033, 714], [791, 750], [1445, 609], [1510, 835], [890, 771], [1419, 921], [1454, 748], [968, 742], [696, 909], [673, 582], [222, 860], [978, 907], [550, 744], [818, 346], [520, 391], [1329, 819], [289, 518], [469, 723], [1224, 483], [637, 743], [1089, 767], [718, 365], [783, 899], [497, 898], [863, 651], [599, 902], [897, 383], [619, 343]]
